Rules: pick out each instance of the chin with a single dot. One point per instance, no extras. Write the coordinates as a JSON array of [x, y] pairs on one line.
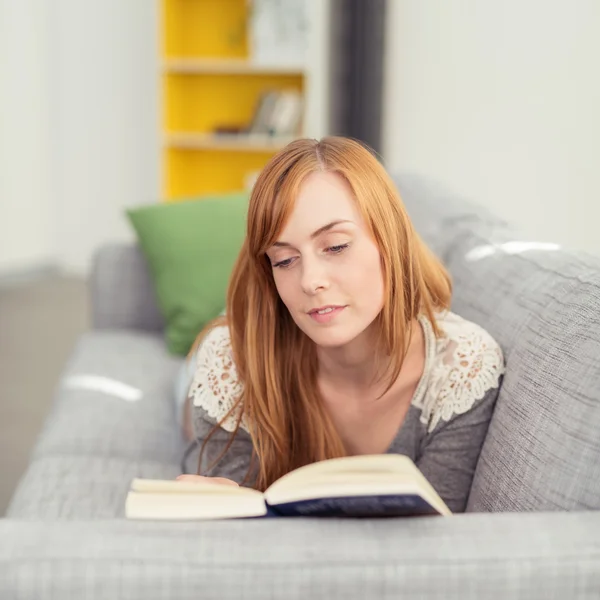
[[330, 339]]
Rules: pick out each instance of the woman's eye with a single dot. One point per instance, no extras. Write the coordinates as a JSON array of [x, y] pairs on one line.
[[337, 249], [283, 263]]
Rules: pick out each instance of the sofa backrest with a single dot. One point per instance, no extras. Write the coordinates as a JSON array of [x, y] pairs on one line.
[[121, 290], [542, 304]]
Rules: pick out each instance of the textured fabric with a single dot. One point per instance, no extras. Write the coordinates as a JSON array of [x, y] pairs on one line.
[[80, 487], [439, 216], [115, 399], [543, 306], [114, 410], [465, 557], [541, 303], [191, 248], [448, 456], [442, 432], [121, 290]]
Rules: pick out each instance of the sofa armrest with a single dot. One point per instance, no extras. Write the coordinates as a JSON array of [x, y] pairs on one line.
[[473, 556], [122, 293]]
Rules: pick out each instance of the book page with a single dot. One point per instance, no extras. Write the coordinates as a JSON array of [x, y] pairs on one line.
[[355, 475], [158, 506], [165, 486], [352, 466]]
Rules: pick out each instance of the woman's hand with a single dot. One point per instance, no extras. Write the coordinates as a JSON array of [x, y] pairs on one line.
[[201, 479]]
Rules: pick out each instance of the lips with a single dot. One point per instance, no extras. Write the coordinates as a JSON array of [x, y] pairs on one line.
[[324, 309], [325, 314]]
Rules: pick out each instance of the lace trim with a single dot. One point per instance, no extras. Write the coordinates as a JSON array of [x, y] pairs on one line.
[[216, 386], [468, 363]]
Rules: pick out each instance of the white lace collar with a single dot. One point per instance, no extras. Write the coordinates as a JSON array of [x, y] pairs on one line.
[[461, 365]]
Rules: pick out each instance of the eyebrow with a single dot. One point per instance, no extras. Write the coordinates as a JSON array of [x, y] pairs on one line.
[[316, 233]]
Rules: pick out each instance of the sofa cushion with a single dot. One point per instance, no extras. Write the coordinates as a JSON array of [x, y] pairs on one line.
[[542, 304], [80, 487], [122, 294], [115, 400], [466, 557]]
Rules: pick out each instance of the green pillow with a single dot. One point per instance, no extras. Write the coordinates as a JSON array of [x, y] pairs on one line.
[[191, 247]]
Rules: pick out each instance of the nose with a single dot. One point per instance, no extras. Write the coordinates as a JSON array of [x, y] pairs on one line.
[[314, 276]]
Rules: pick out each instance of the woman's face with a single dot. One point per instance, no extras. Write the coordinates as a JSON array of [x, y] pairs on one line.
[[326, 266]]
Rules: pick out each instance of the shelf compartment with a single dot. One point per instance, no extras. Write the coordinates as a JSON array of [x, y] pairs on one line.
[[201, 103], [190, 173], [205, 28]]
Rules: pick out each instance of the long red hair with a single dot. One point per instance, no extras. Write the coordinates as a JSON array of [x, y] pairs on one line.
[[275, 360]]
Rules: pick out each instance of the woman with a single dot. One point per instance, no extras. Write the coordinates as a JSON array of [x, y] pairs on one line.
[[338, 338]]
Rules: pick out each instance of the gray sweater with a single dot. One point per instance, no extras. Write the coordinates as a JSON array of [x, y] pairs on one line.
[[442, 432]]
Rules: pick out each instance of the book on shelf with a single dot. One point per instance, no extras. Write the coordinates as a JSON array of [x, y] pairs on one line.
[[277, 114], [386, 485], [261, 120]]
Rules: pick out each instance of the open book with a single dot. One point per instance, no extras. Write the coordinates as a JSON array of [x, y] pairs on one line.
[[386, 485]]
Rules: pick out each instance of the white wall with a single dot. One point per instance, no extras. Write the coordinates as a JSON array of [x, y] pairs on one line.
[[80, 128], [26, 235], [79, 93], [105, 120], [501, 101]]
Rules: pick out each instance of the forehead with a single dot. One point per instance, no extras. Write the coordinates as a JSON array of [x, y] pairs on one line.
[[322, 198]]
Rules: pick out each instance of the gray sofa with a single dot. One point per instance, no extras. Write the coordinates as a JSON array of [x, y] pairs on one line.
[[114, 418]]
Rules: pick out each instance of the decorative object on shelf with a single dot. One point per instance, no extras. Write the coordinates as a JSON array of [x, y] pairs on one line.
[[278, 32]]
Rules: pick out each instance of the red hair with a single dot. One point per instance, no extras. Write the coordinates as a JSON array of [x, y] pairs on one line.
[[275, 360]]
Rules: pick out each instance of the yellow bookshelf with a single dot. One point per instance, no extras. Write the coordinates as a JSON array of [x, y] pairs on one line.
[[209, 82]]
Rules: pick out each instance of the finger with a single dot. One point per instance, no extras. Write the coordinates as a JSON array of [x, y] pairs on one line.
[[192, 478], [223, 481], [202, 479]]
